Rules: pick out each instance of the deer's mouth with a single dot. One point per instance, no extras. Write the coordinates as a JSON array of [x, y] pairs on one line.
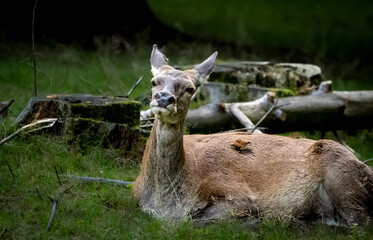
[[162, 110]]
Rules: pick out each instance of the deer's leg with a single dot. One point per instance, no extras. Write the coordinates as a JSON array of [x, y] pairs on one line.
[[219, 208]]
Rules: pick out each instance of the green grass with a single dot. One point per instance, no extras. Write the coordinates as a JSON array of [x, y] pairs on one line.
[[102, 211]]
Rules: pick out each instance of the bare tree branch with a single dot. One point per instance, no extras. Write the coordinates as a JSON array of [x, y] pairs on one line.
[[99, 180], [134, 86], [49, 121], [54, 201]]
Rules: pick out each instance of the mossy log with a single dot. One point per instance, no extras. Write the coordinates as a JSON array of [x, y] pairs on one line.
[[214, 92], [327, 111], [267, 74], [90, 120], [247, 81]]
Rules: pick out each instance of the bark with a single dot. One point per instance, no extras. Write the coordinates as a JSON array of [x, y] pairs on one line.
[[88, 121], [319, 111]]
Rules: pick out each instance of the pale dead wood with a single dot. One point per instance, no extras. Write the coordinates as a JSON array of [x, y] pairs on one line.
[[265, 116], [368, 160], [49, 121], [134, 86], [99, 180], [244, 120], [54, 208], [330, 111], [146, 114]]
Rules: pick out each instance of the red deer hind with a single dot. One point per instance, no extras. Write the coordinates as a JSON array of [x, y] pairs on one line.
[[209, 177]]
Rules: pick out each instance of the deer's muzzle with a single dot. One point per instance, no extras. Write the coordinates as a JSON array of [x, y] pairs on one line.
[[163, 99]]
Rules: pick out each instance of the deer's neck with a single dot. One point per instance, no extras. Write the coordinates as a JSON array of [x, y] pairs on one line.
[[165, 155]]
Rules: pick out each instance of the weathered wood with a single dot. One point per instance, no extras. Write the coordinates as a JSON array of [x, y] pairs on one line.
[[88, 120], [109, 109], [30, 127], [246, 81], [99, 180], [244, 120], [330, 111]]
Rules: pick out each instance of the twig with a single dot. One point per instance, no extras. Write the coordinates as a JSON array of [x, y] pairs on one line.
[[33, 48], [50, 121], [265, 116], [11, 171], [274, 106], [146, 125], [6, 106], [54, 201], [85, 80], [58, 177], [99, 180], [368, 160], [244, 120], [244, 129], [134, 86]]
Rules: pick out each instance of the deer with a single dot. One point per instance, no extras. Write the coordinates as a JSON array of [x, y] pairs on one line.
[[224, 175]]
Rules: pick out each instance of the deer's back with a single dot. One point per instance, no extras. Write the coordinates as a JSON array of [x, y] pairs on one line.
[[279, 173]]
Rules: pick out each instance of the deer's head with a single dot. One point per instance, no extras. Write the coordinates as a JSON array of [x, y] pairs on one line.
[[172, 89]]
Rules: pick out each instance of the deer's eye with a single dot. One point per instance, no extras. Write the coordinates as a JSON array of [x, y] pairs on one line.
[[154, 83], [190, 90]]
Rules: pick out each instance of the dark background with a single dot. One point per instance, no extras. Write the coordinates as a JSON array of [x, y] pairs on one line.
[[307, 31], [70, 21]]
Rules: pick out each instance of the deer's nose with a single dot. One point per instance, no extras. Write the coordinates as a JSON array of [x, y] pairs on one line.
[[164, 99]]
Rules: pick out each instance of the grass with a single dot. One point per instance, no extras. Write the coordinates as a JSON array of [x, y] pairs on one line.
[[102, 211]]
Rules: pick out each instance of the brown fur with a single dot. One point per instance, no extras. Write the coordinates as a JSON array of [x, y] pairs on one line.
[[218, 176]]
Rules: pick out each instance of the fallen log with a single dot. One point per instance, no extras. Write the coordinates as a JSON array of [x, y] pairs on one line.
[[322, 111]]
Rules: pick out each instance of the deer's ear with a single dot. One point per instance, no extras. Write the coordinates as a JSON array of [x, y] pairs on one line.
[[157, 60], [205, 68]]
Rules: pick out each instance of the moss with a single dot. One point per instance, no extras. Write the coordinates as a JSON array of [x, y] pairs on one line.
[[127, 112], [86, 133], [284, 92]]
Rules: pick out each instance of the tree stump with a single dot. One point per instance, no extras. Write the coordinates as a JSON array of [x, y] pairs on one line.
[[90, 120]]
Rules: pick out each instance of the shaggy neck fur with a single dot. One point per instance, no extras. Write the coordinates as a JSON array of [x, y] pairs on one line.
[[165, 158]]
